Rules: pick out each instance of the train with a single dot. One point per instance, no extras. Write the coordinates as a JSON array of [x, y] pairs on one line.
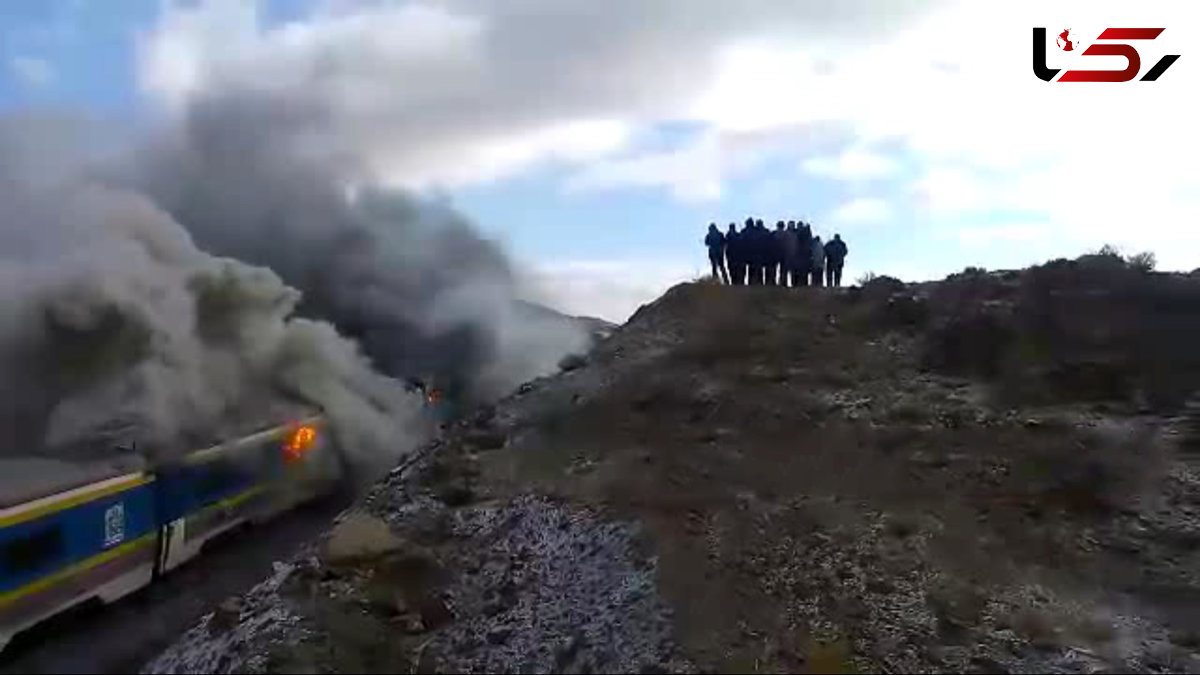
[[99, 532]]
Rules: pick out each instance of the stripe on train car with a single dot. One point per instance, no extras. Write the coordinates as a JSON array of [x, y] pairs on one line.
[[128, 548], [207, 519], [64, 500], [87, 584]]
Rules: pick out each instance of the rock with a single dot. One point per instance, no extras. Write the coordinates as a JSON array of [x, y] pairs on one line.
[[388, 602], [411, 624], [484, 416], [881, 586], [226, 615], [581, 467], [987, 664], [1186, 638], [572, 362], [485, 440], [457, 493], [433, 612], [566, 651], [900, 309], [360, 537], [498, 636], [646, 400]]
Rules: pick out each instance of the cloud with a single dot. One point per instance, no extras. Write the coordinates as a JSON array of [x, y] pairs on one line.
[[977, 237], [699, 167], [460, 91], [949, 190], [863, 210], [854, 163], [609, 289], [456, 92], [978, 132], [692, 174], [32, 72]]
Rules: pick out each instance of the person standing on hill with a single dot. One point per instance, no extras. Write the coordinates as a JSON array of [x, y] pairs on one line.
[[791, 248], [776, 276], [804, 253], [818, 262], [763, 248], [753, 248], [715, 242], [735, 255], [835, 258], [747, 246]]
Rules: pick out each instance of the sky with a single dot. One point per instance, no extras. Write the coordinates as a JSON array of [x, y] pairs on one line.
[[596, 140]]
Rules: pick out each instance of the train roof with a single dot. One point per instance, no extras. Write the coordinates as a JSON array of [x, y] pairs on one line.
[[24, 479], [27, 478]]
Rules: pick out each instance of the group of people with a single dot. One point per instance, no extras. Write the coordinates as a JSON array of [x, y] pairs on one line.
[[791, 255]]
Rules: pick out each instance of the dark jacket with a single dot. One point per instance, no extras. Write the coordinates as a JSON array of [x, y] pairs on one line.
[[804, 252], [762, 246], [791, 246], [835, 251], [733, 247], [715, 242], [779, 245], [749, 245]]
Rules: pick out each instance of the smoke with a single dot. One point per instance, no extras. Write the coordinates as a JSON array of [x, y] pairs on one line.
[[258, 177], [214, 275], [116, 327]]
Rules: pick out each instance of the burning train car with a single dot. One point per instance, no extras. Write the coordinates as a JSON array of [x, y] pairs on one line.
[[444, 400], [72, 533]]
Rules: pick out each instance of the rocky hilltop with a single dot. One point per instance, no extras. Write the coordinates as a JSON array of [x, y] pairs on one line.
[[995, 472]]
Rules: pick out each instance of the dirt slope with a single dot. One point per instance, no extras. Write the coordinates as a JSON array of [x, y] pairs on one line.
[[769, 480]]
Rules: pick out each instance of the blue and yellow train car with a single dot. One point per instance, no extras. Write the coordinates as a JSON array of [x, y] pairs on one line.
[[71, 534]]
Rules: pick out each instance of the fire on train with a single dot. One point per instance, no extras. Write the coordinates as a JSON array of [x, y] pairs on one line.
[[74, 534], [100, 534]]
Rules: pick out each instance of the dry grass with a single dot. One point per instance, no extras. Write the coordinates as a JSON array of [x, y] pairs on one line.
[[769, 410]]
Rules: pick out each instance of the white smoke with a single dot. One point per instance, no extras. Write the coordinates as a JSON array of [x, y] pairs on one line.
[[115, 325]]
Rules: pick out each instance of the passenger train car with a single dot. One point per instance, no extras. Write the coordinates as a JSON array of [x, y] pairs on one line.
[[71, 534]]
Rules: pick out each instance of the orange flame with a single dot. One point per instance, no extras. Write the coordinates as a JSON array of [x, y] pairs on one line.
[[435, 396], [299, 443]]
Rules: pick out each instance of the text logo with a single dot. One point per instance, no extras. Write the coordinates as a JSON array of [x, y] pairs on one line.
[[1068, 42], [114, 524]]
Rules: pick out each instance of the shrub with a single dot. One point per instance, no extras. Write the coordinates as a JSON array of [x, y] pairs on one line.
[[867, 278], [1143, 262]]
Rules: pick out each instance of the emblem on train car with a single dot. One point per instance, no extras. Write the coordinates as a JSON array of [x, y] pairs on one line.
[[114, 524]]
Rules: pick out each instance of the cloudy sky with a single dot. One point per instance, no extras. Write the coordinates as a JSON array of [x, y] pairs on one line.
[[597, 139]]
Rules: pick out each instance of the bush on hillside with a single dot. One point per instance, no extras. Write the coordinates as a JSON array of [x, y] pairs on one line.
[[1098, 328], [1144, 261]]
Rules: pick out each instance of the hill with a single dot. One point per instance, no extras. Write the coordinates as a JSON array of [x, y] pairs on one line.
[[995, 472], [598, 329]]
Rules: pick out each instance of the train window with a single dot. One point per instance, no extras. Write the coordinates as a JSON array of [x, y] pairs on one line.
[[32, 552]]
